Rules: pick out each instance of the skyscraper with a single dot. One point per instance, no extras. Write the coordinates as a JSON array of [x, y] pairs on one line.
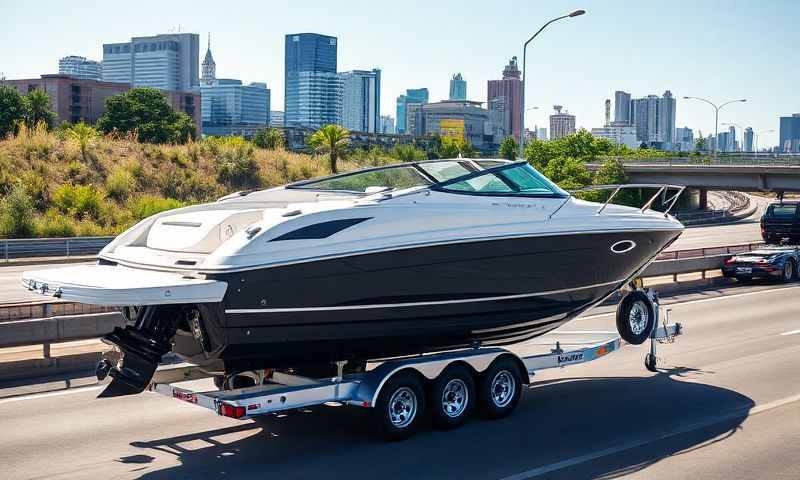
[[412, 96], [361, 100], [387, 124], [622, 107], [312, 95], [458, 87], [666, 120], [541, 133], [167, 61], [209, 67], [789, 135], [654, 119], [748, 140], [505, 96], [561, 124], [684, 139], [80, 67]]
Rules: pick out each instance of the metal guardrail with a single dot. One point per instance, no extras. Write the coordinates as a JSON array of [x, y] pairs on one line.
[[17, 248], [722, 160]]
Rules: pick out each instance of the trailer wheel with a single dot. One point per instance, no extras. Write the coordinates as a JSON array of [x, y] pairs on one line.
[[635, 317], [788, 271], [452, 397], [499, 389], [400, 406]]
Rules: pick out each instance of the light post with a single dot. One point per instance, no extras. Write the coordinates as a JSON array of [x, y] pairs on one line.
[[576, 13], [716, 116]]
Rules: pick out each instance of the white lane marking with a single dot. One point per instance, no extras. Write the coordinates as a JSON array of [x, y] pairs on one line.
[[535, 472], [701, 300], [36, 396], [790, 333]]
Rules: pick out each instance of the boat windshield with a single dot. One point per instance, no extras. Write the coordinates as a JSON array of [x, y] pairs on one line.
[[516, 179], [392, 177]]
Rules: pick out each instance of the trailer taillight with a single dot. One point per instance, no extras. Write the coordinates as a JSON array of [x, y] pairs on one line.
[[231, 411]]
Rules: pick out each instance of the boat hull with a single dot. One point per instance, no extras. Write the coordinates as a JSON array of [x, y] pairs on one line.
[[419, 299]]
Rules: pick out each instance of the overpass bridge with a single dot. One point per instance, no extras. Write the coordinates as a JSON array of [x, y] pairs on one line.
[[773, 174]]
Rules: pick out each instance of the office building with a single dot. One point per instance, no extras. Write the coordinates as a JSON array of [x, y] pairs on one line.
[[231, 108], [541, 133], [618, 134], [458, 87], [411, 97], [461, 119], [313, 90], [561, 124], [166, 61], [684, 139], [505, 97], [724, 141], [80, 67], [622, 107], [654, 119], [361, 100], [82, 100], [276, 118], [789, 134], [748, 140], [387, 124]]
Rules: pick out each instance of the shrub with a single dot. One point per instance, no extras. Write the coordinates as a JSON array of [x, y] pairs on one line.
[[83, 136], [54, 224], [408, 153], [78, 200], [16, 213], [120, 183], [270, 139], [148, 205]]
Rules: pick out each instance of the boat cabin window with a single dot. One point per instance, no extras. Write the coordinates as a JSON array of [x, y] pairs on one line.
[[443, 171], [384, 178], [517, 179]]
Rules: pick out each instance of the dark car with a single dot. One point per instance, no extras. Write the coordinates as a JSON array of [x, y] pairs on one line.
[[781, 221], [779, 263]]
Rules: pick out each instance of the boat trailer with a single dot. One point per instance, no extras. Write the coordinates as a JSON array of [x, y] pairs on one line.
[[397, 389]]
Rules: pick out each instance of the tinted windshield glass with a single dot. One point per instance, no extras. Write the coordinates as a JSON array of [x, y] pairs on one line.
[[443, 171], [520, 179], [782, 211], [394, 178]]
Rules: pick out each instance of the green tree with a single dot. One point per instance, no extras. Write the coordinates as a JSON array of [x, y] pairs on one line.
[[568, 172], [16, 213], [330, 139], [146, 113], [407, 153], [38, 109], [269, 138], [508, 148], [700, 144], [83, 136], [453, 147], [12, 110]]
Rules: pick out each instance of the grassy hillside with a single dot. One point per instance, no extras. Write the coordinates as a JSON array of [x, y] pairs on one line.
[[62, 184]]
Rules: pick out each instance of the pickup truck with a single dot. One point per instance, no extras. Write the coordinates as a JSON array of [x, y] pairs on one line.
[[781, 221]]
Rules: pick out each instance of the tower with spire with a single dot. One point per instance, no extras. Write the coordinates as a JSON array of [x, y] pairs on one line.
[[209, 75]]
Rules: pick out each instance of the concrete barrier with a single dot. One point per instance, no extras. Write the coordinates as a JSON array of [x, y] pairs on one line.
[[44, 331]]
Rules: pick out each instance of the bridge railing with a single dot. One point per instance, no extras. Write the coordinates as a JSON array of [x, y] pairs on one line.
[[771, 160], [11, 249]]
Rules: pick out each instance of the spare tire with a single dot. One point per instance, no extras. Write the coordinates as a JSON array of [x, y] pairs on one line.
[[635, 317]]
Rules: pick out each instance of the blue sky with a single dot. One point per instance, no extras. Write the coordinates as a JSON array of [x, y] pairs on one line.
[[716, 49]]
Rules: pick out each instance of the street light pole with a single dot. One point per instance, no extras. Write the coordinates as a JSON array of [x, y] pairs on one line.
[[576, 13], [716, 116]]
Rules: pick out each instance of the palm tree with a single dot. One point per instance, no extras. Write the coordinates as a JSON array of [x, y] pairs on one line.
[[37, 109], [83, 135], [330, 139]]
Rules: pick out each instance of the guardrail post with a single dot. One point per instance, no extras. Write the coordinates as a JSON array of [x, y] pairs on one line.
[[68, 248], [6, 249]]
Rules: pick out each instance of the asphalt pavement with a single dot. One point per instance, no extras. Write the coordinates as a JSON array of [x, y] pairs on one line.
[[726, 405]]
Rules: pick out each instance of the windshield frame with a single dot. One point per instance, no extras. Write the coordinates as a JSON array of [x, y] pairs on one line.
[[442, 186]]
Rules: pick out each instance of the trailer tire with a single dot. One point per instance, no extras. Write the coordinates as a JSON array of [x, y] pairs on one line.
[[452, 397], [789, 271], [499, 389], [635, 317], [400, 406]]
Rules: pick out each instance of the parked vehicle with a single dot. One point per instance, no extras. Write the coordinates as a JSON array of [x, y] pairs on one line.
[[780, 222], [779, 263]]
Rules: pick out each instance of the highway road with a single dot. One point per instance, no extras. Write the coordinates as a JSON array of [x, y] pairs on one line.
[[725, 406]]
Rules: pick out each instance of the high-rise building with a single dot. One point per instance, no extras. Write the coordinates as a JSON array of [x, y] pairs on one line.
[[276, 118], [313, 95], [789, 135], [541, 133], [561, 124], [167, 61], [412, 96], [361, 100], [654, 119], [684, 139], [461, 119], [209, 67], [505, 96], [80, 67], [618, 134], [748, 140], [723, 142], [622, 107], [458, 87], [387, 124]]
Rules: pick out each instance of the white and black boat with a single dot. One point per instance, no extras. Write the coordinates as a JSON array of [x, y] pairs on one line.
[[381, 262]]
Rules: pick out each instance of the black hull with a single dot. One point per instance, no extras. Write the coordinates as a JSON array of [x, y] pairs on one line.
[[415, 300]]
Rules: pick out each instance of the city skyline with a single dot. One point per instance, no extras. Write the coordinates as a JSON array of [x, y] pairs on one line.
[[567, 64]]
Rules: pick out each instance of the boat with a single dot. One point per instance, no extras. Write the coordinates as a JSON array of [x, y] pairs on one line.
[[377, 263]]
